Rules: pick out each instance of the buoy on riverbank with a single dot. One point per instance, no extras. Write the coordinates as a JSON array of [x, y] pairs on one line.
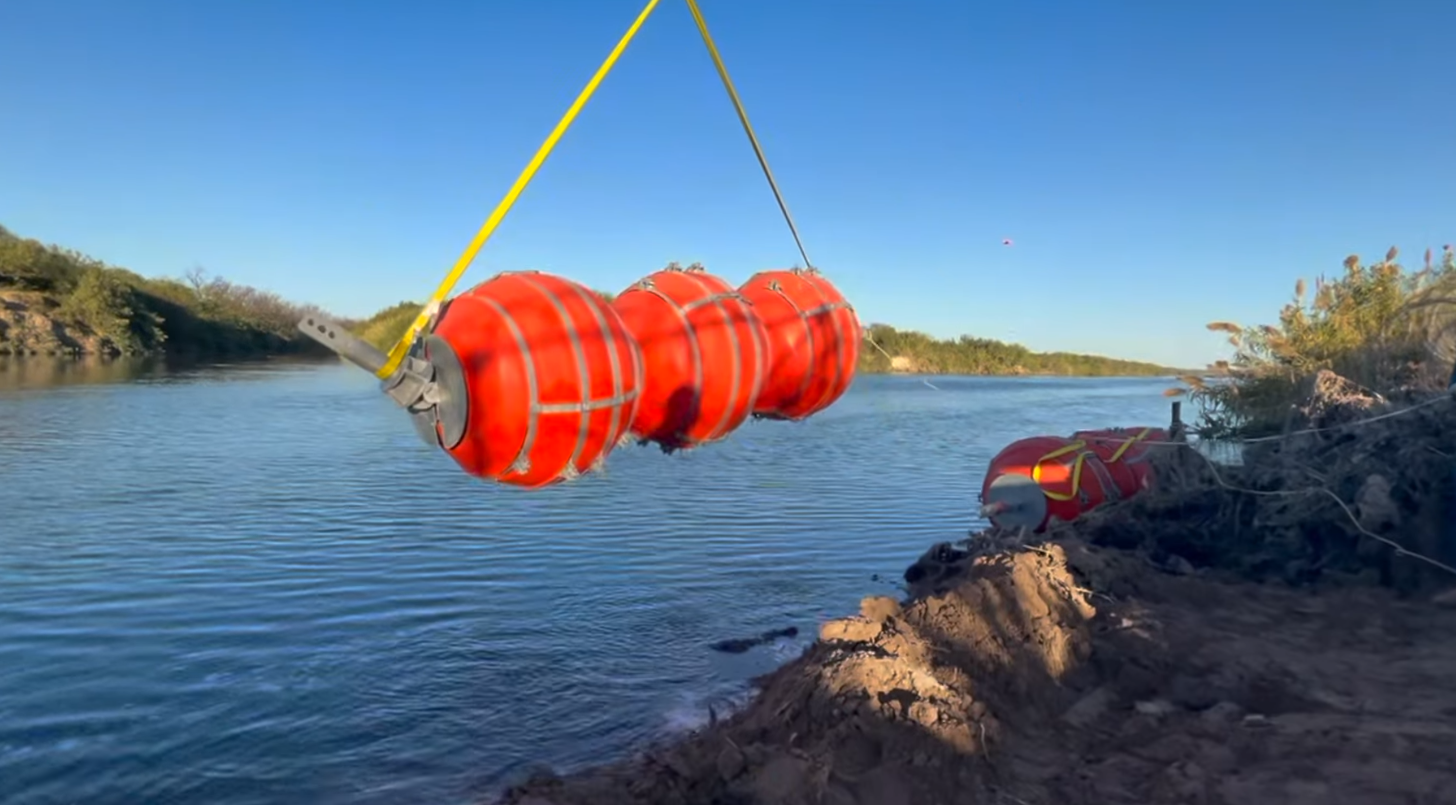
[[705, 354], [1125, 451], [1036, 479], [813, 335]]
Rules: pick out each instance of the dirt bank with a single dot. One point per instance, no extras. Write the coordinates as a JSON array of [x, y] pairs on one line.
[[1066, 673], [29, 326], [1234, 640]]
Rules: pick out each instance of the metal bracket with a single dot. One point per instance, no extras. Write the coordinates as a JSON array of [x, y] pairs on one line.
[[429, 384], [347, 345], [1014, 500]]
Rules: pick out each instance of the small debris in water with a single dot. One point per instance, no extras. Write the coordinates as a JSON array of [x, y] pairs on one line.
[[741, 645]]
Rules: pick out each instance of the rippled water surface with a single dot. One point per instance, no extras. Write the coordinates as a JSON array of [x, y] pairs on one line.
[[251, 584]]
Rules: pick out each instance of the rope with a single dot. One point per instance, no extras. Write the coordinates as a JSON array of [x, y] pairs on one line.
[[1081, 461], [401, 348], [1358, 422], [1117, 456], [1399, 549], [747, 127], [891, 358]]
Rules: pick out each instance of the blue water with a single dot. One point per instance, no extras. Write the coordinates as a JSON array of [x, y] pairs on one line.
[[251, 584]]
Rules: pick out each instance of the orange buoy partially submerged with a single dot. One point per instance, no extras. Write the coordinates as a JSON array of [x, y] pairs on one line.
[[813, 336], [1038, 479], [704, 352]]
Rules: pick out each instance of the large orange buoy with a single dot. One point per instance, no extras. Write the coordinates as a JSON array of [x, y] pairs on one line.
[[1040, 478], [705, 354], [1125, 451], [814, 337], [550, 376]]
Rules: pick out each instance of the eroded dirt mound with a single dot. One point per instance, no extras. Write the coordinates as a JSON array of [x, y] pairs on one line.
[[1065, 673], [28, 326]]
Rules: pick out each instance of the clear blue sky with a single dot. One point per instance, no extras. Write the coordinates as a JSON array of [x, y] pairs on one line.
[[1158, 164]]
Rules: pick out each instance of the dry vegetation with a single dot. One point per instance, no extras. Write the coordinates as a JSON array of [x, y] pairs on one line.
[[1383, 329], [58, 301]]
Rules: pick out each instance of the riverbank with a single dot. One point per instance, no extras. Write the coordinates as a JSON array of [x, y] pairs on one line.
[[1072, 674], [1237, 636], [33, 323], [56, 301]]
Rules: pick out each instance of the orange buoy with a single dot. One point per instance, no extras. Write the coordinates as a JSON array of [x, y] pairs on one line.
[[1037, 479], [814, 338], [1124, 451], [705, 355], [551, 378]]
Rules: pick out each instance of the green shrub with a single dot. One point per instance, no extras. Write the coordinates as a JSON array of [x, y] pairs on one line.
[[1379, 326], [984, 356], [104, 303], [202, 315], [384, 328]]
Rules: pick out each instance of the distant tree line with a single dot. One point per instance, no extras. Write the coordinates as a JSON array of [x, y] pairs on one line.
[[912, 351], [210, 315]]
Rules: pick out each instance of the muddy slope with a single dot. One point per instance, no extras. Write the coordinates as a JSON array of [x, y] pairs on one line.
[[1078, 675]]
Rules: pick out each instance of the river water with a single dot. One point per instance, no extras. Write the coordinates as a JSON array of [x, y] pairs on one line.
[[252, 584]]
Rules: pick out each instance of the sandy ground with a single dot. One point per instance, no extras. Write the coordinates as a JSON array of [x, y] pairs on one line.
[[1070, 674]]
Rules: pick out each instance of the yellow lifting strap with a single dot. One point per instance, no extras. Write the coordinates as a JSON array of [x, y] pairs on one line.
[[1081, 461], [401, 348], [1117, 456], [1077, 465]]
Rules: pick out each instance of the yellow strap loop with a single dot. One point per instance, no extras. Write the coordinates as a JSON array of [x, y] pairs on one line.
[[1076, 469], [747, 127], [1079, 463], [401, 348], [1129, 443]]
